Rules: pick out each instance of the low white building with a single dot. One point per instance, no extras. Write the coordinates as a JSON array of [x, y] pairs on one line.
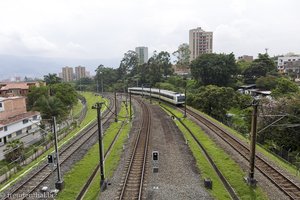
[[285, 61], [15, 121]]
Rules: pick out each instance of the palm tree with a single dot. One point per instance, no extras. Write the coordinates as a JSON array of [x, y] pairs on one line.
[[14, 150], [52, 79], [50, 107]]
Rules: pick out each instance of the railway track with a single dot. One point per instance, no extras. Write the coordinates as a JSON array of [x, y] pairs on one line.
[[226, 184], [33, 182], [95, 171], [132, 186], [291, 189]]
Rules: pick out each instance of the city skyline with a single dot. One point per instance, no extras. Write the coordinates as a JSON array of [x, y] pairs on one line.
[[32, 39]]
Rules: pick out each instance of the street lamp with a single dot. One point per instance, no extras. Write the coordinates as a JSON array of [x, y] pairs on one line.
[[98, 107]]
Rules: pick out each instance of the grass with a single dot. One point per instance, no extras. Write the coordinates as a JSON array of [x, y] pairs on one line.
[[78, 175], [111, 165], [280, 162], [226, 165], [77, 108], [91, 116]]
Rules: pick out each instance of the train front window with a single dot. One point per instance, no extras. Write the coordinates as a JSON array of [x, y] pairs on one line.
[[180, 98]]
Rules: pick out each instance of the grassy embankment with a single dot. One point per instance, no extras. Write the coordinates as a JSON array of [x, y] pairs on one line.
[[231, 170], [90, 117], [78, 175], [279, 161]]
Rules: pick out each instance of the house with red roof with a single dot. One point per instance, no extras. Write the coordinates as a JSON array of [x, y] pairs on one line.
[[15, 121]]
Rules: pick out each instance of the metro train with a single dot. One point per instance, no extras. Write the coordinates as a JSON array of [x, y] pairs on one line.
[[165, 95]]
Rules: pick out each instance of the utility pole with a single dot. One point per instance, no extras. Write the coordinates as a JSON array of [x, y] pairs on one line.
[[184, 102], [98, 106], [97, 87], [116, 117], [150, 95], [130, 114], [60, 183], [101, 83], [159, 85], [250, 179]]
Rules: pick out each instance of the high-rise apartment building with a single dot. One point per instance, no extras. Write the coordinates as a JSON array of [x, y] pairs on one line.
[[80, 72], [67, 74], [200, 42], [142, 53]]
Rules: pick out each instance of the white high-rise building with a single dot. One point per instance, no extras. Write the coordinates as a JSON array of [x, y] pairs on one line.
[[142, 53], [200, 42], [80, 72], [67, 74]]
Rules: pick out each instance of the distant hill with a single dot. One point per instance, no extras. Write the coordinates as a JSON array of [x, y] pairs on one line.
[[30, 66]]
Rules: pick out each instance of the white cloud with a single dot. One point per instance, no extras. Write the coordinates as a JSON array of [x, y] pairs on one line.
[[107, 29]]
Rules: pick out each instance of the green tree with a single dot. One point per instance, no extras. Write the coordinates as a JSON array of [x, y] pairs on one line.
[[106, 75], [128, 64], [285, 87], [242, 65], [164, 63], [284, 133], [34, 93], [14, 150], [50, 107], [52, 79], [259, 67], [266, 83], [214, 100], [214, 69], [65, 93], [183, 55]]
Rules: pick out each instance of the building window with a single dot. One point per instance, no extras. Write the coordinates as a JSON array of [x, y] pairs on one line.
[[9, 136], [19, 132], [1, 128], [25, 121], [34, 117], [28, 129], [0, 139], [5, 128]]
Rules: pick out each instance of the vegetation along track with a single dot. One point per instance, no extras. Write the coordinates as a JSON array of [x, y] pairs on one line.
[[94, 173], [32, 183], [276, 177], [132, 186], [220, 175]]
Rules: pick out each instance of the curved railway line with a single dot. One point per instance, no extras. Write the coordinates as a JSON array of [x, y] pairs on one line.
[[291, 189], [226, 184], [33, 182], [132, 186], [86, 186]]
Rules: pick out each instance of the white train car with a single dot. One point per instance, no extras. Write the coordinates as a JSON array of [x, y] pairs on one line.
[[165, 95]]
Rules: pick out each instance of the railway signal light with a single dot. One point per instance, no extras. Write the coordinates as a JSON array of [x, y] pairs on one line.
[[155, 155], [50, 158]]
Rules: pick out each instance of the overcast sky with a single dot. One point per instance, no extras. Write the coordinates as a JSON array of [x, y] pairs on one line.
[[98, 31]]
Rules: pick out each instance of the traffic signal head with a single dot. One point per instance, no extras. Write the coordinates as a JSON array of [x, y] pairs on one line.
[[155, 155]]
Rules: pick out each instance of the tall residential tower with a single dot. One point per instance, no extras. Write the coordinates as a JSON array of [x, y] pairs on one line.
[[142, 53], [80, 72], [201, 42], [67, 74]]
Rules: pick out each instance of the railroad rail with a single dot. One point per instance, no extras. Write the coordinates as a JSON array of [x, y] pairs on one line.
[[33, 182], [226, 184], [291, 189], [132, 186], [95, 171]]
